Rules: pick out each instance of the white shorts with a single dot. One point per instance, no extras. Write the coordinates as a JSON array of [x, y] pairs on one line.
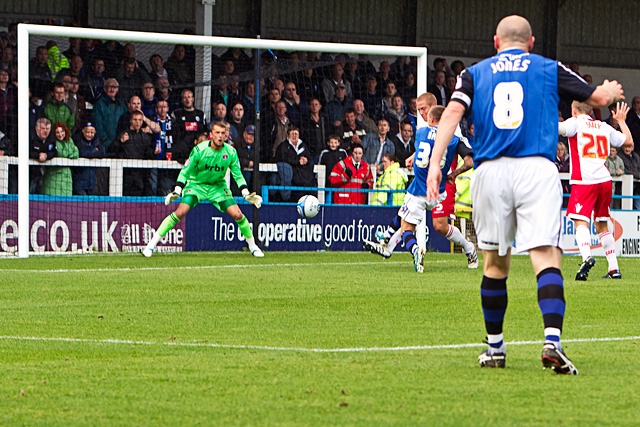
[[413, 207], [517, 200]]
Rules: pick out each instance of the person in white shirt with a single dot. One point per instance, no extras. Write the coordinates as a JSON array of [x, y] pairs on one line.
[[589, 142]]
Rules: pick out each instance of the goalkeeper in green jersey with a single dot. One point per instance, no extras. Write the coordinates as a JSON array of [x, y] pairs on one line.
[[203, 178]]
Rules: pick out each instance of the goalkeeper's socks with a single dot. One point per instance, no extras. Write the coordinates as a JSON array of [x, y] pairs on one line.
[[165, 226], [245, 228]]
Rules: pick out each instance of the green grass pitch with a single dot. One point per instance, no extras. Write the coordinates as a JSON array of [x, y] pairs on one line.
[[303, 339]]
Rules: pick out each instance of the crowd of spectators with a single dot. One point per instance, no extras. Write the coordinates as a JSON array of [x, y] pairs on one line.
[[110, 101]]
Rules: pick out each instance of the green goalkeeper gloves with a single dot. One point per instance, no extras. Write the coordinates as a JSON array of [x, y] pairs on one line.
[[173, 195], [251, 198]]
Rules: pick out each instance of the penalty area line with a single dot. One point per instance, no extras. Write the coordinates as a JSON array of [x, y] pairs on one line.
[[299, 349]]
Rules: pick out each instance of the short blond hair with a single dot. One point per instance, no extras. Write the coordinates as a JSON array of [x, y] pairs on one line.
[[581, 107], [428, 98], [221, 124], [436, 113]]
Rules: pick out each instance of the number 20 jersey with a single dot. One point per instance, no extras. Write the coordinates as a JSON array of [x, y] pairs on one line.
[[513, 101], [589, 148]]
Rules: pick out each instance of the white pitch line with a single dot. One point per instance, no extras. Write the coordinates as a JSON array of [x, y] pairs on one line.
[[303, 349], [206, 267]]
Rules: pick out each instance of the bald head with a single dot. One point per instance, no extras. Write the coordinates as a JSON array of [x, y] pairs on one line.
[[513, 31]]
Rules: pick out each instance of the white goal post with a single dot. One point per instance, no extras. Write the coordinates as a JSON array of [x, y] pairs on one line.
[[24, 49]]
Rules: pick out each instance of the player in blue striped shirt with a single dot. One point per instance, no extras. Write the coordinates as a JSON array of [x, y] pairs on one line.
[[512, 99]]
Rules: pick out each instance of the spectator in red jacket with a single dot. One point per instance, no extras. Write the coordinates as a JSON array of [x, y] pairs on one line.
[[352, 173]]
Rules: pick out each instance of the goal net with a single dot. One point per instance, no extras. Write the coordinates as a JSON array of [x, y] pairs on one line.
[[82, 171]]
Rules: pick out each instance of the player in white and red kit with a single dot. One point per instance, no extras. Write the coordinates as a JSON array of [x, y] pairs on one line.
[[589, 142]]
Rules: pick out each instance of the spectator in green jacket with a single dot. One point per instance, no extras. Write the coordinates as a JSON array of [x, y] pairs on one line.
[[107, 111], [393, 178], [57, 179], [56, 110]]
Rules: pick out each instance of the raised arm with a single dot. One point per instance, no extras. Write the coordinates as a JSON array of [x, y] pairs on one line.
[[153, 125], [620, 115]]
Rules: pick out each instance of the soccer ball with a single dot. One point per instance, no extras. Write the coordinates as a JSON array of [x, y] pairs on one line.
[[308, 206]]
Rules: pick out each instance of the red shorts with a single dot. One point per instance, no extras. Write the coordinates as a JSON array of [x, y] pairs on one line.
[[446, 209], [590, 198]]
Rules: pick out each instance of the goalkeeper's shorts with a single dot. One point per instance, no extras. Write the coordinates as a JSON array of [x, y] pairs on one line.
[[218, 196]]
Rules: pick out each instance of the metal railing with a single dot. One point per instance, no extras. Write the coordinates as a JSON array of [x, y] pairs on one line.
[[116, 167]]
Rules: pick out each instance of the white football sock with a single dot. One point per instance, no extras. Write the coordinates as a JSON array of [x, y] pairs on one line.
[[496, 344], [609, 246], [455, 235], [394, 240], [583, 239]]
